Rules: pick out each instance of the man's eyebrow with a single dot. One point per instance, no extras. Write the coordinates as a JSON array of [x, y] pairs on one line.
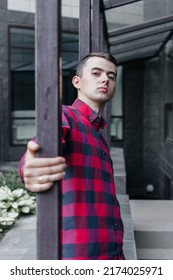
[[100, 69]]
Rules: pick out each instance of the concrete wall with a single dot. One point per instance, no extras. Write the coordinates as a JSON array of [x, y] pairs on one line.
[[147, 87], [158, 154], [166, 147], [148, 155], [152, 95], [133, 126]]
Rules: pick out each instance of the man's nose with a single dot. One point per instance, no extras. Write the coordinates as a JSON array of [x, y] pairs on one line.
[[105, 78]]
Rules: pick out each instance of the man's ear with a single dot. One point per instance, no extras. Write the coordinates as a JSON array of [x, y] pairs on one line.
[[76, 82]]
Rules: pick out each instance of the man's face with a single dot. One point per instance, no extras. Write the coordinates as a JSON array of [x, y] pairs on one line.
[[98, 81]]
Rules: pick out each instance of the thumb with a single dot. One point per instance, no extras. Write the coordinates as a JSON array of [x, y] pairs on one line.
[[32, 148]]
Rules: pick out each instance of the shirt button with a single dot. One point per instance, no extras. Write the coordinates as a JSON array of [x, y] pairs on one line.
[[91, 118], [103, 153]]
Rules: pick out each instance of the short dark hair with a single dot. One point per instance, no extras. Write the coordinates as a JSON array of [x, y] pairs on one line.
[[104, 55]]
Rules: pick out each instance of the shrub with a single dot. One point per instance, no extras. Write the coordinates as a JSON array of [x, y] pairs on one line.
[[14, 200]]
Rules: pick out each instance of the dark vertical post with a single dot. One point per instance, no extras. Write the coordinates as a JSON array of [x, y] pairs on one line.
[[99, 28], [48, 116], [107, 110], [1, 124], [95, 44], [103, 42], [84, 27], [99, 43]]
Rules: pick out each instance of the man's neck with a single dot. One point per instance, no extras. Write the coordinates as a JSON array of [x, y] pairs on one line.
[[98, 108]]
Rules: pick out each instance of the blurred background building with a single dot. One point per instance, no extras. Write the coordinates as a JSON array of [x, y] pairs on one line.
[[139, 35]]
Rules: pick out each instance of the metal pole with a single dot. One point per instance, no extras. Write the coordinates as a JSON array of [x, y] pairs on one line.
[[95, 44], [48, 120], [1, 124], [99, 43], [84, 27]]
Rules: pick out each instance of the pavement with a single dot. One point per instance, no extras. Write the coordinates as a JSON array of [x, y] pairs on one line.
[[19, 243], [150, 221]]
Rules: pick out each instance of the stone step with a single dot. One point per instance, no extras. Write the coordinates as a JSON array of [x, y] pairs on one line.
[[154, 254], [153, 228], [154, 239], [129, 240], [117, 155]]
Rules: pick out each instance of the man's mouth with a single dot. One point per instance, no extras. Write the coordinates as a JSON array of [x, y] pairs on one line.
[[103, 89]]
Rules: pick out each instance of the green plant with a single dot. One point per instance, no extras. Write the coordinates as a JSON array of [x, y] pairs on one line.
[[13, 203], [11, 179]]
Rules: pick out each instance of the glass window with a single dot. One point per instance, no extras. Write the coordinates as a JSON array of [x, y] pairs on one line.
[[22, 37], [131, 34], [117, 109], [22, 5], [69, 8], [22, 77], [69, 60]]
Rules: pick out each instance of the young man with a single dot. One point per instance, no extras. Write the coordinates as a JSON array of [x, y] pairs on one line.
[[91, 223]]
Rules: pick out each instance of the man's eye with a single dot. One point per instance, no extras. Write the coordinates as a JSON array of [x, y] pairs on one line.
[[112, 78], [96, 73]]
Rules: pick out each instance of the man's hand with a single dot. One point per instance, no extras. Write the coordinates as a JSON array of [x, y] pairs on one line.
[[40, 173]]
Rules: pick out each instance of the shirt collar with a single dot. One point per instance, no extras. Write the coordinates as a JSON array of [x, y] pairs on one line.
[[91, 115]]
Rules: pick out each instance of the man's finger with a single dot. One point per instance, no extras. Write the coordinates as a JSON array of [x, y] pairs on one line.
[[32, 148]]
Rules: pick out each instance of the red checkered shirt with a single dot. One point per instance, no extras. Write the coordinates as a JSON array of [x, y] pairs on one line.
[[91, 223]]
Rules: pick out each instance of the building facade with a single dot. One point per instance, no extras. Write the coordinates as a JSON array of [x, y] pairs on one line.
[[142, 110]]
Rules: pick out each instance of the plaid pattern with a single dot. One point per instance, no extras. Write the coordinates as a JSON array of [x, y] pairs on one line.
[[91, 223]]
